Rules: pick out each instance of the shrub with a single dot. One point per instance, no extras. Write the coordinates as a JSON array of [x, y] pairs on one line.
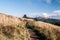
[[30, 25]]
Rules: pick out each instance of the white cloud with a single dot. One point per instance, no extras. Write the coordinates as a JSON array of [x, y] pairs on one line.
[[55, 14], [56, 11], [45, 15]]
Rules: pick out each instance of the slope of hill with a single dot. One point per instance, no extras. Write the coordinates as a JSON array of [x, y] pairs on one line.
[[14, 28], [45, 31]]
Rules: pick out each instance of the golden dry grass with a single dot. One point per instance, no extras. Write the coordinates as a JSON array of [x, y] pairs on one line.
[[52, 32], [13, 28]]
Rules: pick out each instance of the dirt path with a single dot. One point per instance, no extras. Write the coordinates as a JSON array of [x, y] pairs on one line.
[[35, 34]]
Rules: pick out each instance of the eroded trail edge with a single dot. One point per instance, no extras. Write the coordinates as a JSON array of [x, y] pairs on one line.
[[34, 33]]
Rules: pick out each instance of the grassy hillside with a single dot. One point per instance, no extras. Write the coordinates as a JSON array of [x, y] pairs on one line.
[[14, 28]]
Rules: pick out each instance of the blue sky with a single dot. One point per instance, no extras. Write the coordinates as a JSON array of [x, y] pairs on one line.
[[30, 7]]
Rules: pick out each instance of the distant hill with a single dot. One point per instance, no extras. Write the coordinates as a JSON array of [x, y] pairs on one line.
[[15, 28], [48, 20]]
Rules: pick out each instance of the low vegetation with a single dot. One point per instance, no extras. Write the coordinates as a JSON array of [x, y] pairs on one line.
[[14, 28], [30, 25], [40, 35]]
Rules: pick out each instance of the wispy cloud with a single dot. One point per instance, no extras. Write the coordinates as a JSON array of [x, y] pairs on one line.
[[33, 14], [45, 15], [55, 14], [48, 1], [58, 1]]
